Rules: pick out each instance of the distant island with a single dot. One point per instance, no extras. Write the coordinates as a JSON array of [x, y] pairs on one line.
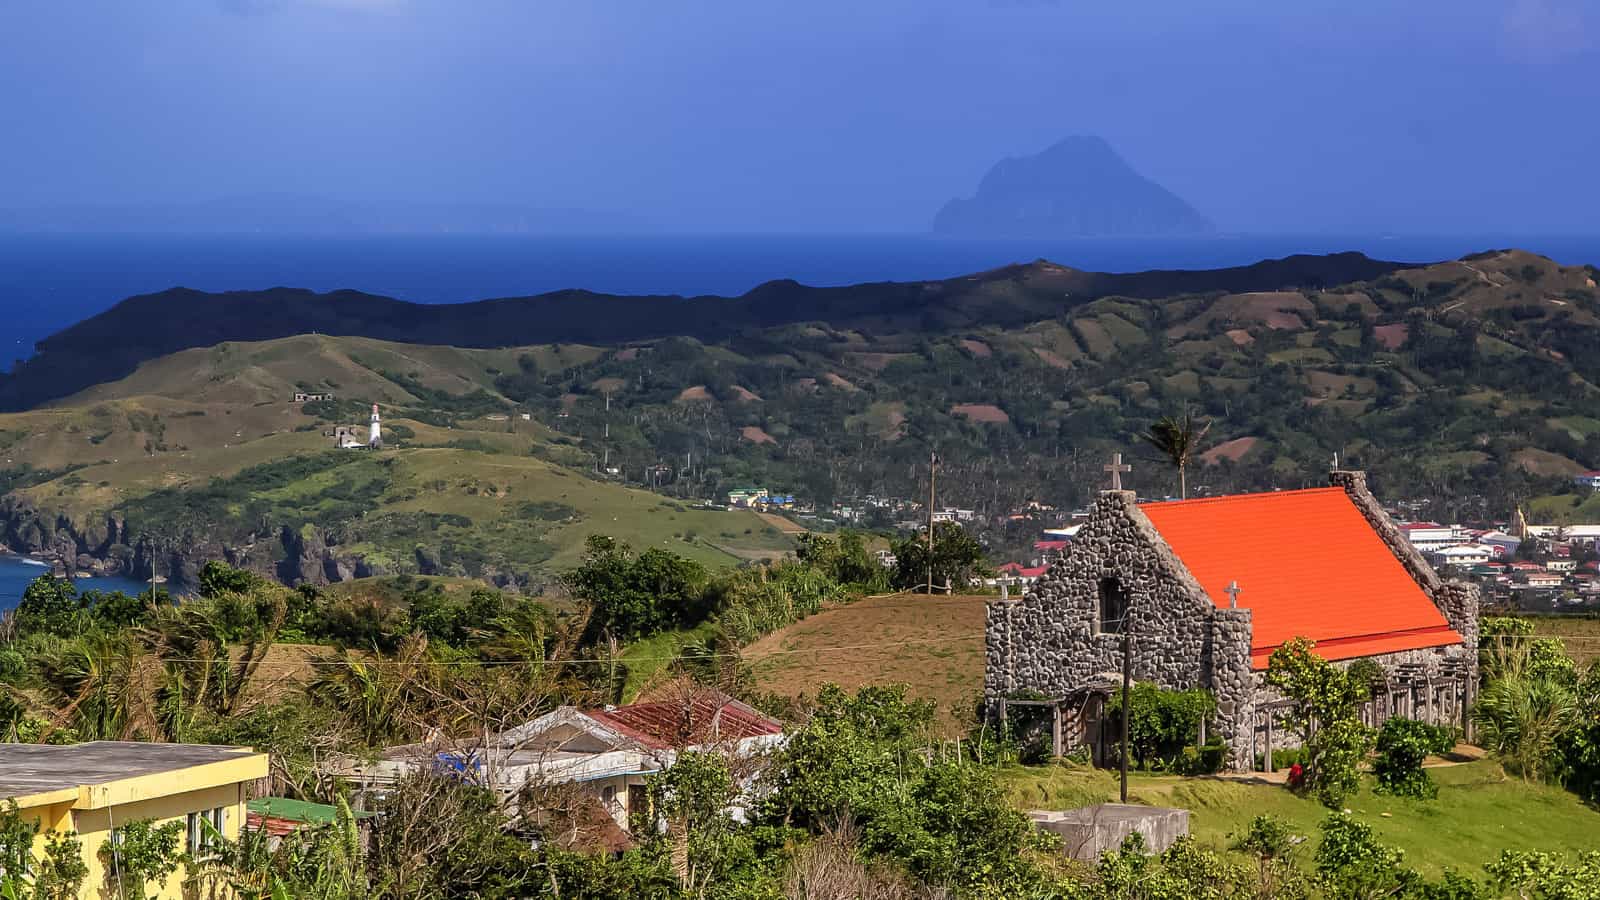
[[1079, 187]]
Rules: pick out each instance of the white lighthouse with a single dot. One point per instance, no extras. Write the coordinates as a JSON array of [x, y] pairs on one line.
[[375, 437]]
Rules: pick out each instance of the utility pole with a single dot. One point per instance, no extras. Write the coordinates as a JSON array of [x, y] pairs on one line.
[[933, 465], [1127, 695]]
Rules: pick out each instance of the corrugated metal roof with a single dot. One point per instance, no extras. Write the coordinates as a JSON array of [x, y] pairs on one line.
[[1309, 565], [707, 717]]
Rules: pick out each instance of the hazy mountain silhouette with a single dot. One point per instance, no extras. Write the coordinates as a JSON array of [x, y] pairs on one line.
[[1079, 187]]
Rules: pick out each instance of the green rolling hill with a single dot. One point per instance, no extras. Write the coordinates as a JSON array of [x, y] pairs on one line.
[[1467, 383]]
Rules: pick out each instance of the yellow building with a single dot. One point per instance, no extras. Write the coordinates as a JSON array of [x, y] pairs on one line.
[[93, 788]]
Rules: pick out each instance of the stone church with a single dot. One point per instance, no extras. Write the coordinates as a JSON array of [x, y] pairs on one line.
[[1204, 590]]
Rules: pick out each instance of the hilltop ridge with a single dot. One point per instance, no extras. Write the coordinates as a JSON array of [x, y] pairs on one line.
[[112, 344]]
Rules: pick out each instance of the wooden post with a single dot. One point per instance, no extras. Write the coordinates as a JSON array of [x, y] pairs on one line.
[[1268, 755], [1055, 730]]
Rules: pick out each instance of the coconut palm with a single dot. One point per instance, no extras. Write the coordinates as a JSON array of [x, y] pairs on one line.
[[1177, 440]]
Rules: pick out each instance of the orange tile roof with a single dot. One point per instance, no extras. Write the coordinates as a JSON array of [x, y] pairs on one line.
[[1308, 565]]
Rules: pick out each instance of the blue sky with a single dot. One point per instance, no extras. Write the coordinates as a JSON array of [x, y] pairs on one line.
[[821, 115]]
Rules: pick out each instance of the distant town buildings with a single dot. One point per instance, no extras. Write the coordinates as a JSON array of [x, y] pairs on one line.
[[309, 397]]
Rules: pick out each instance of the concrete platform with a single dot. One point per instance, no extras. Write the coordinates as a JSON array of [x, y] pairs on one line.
[[1090, 831]]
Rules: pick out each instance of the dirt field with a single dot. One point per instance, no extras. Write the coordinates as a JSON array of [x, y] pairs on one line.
[[981, 412], [933, 644], [755, 435]]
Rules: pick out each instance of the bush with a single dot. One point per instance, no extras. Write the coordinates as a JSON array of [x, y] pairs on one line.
[[1402, 746], [1162, 723], [1284, 758], [1204, 760]]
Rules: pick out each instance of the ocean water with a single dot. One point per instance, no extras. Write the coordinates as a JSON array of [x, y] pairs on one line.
[[17, 572], [47, 282]]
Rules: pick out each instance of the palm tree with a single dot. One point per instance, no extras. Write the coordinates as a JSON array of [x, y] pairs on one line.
[[1177, 440]]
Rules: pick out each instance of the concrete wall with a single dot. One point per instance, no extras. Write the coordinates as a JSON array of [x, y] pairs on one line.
[[94, 830], [93, 827]]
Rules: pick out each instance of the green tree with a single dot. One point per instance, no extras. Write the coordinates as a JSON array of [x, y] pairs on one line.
[[1177, 440], [1162, 723], [633, 595], [218, 578], [50, 605], [1272, 845], [957, 558], [1332, 699]]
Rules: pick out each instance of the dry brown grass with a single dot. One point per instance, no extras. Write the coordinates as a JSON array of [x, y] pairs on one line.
[[932, 644]]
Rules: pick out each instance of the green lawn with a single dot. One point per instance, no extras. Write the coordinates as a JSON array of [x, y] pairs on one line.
[[1479, 812]]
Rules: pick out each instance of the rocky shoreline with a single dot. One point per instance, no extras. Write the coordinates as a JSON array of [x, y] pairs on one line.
[[106, 545]]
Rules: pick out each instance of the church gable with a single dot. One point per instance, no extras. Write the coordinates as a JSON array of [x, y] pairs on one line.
[[1117, 575]]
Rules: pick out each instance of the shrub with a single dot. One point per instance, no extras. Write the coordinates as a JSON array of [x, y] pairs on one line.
[[1204, 760], [1162, 723], [1402, 746]]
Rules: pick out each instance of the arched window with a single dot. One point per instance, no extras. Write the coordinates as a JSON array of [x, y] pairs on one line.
[[1113, 610]]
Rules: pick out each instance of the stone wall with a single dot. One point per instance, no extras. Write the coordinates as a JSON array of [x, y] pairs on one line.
[[1458, 601], [1050, 642]]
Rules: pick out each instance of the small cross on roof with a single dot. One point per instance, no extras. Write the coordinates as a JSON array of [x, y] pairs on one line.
[[1116, 467]]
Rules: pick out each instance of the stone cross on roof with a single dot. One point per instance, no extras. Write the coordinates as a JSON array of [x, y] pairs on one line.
[[1233, 591], [1116, 467]]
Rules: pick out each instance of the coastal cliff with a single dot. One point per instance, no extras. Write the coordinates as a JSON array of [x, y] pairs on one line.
[[106, 545]]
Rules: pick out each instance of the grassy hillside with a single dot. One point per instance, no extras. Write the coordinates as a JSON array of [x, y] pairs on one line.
[[1467, 383], [208, 445], [932, 644], [1479, 812]]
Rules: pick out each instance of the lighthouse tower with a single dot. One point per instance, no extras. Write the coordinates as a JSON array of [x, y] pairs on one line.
[[375, 437]]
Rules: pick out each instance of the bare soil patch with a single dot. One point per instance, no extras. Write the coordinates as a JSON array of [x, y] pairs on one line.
[[1392, 336], [977, 348], [1231, 450], [628, 355], [696, 394], [755, 435], [1240, 337], [981, 412], [839, 381], [609, 385], [746, 394], [1051, 359]]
